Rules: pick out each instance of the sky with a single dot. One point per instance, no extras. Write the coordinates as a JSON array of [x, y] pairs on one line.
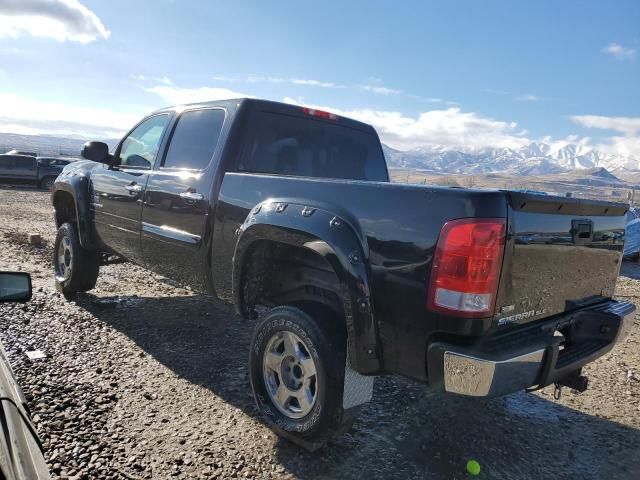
[[465, 74]]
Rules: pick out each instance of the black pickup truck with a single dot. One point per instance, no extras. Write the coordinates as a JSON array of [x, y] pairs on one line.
[[288, 212]]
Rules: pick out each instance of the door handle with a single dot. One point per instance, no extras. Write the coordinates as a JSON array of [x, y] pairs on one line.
[[134, 189], [193, 196]]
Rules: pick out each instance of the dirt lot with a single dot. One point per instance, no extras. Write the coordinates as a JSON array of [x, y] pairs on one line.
[[144, 379]]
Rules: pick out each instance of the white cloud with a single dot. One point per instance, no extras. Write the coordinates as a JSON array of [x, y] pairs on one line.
[[58, 19], [618, 51], [176, 95], [138, 77], [627, 144], [164, 80], [528, 97], [293, 81], [380, 90], [314, 83], [627, 125], [24, 115], [374, 87], [557, 144], [450, 127], [259, 79]]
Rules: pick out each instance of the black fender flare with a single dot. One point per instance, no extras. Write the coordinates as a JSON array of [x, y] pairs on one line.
[[78, 188], [336, 239]]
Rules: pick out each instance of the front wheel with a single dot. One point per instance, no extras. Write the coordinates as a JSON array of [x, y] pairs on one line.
[[297, 367], [76, 269]]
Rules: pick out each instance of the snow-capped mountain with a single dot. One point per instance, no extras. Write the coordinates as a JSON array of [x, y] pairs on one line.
[[533, 159]]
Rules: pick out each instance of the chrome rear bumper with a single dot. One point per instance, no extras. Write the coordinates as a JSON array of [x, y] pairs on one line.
[[530, 356], [479, 377]]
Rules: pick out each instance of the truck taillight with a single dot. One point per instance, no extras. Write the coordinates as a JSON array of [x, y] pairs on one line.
[[319, 113], [466, 267]]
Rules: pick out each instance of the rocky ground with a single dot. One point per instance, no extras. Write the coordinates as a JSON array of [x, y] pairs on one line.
[[144, 379]]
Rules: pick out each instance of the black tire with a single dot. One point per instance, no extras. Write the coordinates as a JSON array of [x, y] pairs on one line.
[[78, 272], [326, 345], [47, 182]]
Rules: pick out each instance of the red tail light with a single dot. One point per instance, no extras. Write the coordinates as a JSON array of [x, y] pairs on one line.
[[466, 267], [319, 113]]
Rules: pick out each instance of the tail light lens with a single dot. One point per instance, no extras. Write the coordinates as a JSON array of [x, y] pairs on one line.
[[466, 267]]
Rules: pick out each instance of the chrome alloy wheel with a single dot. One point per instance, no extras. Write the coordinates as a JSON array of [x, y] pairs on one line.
[[290, 375], [65, 259]]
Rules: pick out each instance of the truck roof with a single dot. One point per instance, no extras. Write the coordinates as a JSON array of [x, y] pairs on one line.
[[276, 107]]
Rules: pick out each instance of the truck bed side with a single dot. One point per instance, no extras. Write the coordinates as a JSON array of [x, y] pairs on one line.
[[399, 227]]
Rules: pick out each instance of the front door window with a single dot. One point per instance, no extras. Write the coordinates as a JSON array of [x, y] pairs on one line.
[[140, 148]]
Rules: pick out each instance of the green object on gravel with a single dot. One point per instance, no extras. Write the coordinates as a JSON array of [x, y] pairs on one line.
[[473, 467]]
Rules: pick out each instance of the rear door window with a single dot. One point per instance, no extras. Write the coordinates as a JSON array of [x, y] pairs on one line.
[[301, 146], [194, 139]]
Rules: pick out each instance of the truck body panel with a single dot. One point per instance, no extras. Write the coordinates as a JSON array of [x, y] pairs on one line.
[[562, 254]]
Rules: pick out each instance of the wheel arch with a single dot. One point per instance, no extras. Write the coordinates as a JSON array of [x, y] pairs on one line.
[[70, 200], [308, 243]]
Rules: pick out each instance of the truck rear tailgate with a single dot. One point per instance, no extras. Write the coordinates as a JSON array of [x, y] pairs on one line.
[[561, 254]]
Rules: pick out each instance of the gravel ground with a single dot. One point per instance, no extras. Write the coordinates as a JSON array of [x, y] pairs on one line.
[[144, 379]]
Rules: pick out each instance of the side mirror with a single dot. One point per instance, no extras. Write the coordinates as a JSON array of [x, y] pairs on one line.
[[15, 287], [96, 151]]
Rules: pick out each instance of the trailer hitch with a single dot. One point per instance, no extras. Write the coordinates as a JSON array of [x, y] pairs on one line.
[[557, 391], [575, 381]]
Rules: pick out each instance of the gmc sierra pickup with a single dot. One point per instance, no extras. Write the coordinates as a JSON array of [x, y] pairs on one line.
[[288, 212]]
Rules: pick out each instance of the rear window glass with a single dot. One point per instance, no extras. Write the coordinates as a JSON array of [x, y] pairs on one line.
[[295, 145]]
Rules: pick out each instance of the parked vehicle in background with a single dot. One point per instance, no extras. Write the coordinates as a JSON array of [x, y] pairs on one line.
[[41, 171], [289, 211], [54, 161], [632, 234], [20, 449], [21, 152]]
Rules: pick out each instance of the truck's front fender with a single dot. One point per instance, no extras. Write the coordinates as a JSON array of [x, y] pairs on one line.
[[336, 240], [75, 189]]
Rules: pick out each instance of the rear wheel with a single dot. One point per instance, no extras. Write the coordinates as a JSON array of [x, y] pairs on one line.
[[76, 269], [297, 367]]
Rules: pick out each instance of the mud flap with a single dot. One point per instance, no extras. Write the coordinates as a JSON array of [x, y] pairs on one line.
[[358, 389]]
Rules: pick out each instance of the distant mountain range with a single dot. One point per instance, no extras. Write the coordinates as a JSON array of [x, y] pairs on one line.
[[45, 144], [533, 159]]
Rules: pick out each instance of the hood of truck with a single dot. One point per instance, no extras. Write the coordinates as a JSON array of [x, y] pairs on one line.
[[560, 254]]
